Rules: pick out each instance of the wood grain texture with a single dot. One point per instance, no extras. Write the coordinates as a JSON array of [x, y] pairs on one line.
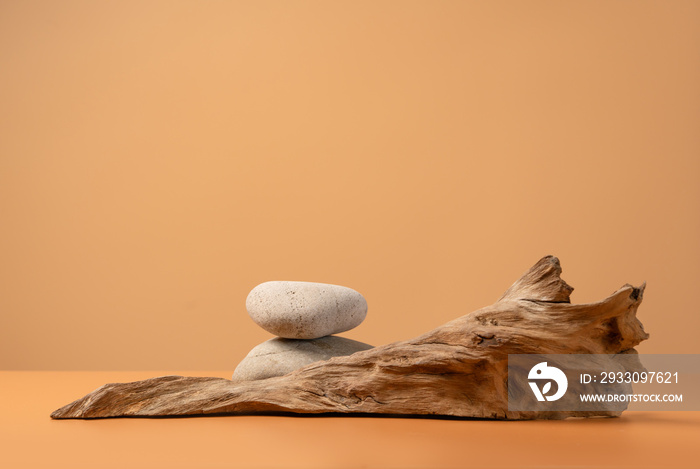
[[458, 369]]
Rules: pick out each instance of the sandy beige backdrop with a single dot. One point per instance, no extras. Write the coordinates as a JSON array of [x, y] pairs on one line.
[[160, 159]]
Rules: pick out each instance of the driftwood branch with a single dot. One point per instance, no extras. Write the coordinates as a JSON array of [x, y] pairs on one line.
[[458, 369]]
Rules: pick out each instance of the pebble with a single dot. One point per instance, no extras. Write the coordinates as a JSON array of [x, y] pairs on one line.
[[305, 310], [277, 357]]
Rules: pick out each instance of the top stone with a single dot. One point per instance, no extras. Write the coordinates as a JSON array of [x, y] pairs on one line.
[[305, 310]]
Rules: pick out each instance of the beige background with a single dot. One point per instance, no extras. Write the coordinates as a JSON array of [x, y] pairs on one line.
[[160, 159]]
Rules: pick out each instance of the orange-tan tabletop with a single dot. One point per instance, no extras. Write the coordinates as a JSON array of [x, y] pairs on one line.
[[29, 438]]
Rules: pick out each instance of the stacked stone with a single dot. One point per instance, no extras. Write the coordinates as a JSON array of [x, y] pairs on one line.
[[303, 316]]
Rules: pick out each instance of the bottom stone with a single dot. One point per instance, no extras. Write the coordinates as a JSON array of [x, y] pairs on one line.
[[278, 356]]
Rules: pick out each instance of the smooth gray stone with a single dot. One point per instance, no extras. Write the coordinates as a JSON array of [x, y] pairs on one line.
[[305, 310], [277, 357]]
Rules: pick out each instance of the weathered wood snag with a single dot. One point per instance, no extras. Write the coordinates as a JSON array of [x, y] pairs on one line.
[[459, 369]]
